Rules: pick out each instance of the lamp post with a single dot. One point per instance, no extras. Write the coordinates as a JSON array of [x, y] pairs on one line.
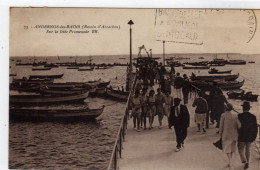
[[163, 53], [131, 65]]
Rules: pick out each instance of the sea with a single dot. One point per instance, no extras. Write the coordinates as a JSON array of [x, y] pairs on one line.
[[88, 145]]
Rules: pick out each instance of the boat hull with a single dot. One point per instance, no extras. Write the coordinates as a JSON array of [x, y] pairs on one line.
[[195, 67], [45, 76], [219, 72], [215, 77], [56, 114], [118, 95], [36, 100], [229, 85]]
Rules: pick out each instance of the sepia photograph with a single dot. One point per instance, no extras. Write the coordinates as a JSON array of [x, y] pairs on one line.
[[134, 89]]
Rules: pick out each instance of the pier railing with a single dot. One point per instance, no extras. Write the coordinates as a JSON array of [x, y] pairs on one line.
[[118, 146]]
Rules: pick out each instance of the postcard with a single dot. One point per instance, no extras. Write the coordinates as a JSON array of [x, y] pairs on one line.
[[129, 88]]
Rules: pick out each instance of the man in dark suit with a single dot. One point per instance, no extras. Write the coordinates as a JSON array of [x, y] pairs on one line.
[[180, 119], [247, 133], [178, 83]]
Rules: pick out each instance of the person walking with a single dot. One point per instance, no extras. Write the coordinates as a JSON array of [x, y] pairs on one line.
[[218, 105], [168, 87], [178, 84], [186, 86], [143, 108], [151, 108], [228, 131], [136, 109], [200, 112], [167, 107], [180, 119], [159, 106], [247, 133]]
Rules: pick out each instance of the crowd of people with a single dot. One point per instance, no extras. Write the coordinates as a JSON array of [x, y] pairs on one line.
[[214, 107]]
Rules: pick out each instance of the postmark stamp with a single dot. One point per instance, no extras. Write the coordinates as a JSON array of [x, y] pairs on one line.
[[200, 27]]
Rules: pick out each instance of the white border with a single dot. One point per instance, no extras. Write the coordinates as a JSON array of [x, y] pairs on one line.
[[4, 37]]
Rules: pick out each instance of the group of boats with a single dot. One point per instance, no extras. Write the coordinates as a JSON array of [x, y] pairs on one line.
[[225, 82], [47, 93], [242, 95], [44, 66], [204, 64]]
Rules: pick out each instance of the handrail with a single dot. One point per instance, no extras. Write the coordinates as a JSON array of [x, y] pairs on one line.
[[113, 163]]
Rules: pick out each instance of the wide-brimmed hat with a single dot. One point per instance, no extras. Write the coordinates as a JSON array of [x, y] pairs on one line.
[[246, 105]]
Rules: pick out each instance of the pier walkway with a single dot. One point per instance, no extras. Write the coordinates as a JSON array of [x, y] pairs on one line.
[[155, 149]]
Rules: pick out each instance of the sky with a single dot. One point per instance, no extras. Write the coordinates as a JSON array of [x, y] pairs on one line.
[[184, 30]]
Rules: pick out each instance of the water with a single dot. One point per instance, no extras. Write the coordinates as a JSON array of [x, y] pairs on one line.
[[60, 145], [88, 145]]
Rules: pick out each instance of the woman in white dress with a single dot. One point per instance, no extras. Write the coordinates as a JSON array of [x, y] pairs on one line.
[[228, 130]]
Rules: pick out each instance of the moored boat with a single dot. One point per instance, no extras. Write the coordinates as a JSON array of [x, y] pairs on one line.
[[236, 94], [174, 63], [201, 63], [236, 62], [34, 81], [217, 64], [66, 86], [46, 76], [228, 77], [62, 92], [117, 94], [216, 71], [218, 61], [225, 85], [55, 114], [25, 87], [86, 69], [42, 100], [242, 95], [72, 67], [196, 67], [103, 67], [51, 65], [41, 69], [103, 84]]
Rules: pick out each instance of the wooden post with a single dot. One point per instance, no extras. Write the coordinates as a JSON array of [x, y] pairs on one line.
[[131, 64], [163, 53]]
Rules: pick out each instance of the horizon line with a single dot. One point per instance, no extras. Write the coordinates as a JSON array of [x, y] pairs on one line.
[[125, 54]]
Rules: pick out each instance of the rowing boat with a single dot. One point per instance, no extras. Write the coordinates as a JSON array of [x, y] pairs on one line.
[[215, 71], [195, 67], [53, 76], [43, 100], [228, 77], [225, 85], [55, 114], [85, 68], [41, 69], [62, 91], [116, 94]]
